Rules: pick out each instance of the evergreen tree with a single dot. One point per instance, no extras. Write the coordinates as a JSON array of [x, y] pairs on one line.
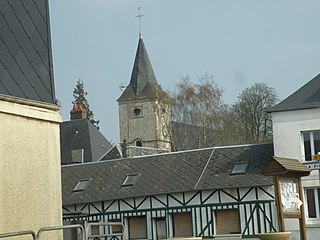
[[79, 95]]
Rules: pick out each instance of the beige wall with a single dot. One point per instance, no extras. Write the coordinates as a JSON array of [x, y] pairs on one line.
[[148, 126], [30, 175]]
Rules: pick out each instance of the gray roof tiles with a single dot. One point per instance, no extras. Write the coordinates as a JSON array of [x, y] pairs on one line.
[[25, 51], [81, 134], [167, 173], [143, 83], [306, 97]]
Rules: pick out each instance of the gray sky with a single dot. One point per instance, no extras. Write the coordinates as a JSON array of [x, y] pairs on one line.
[[238, 42]]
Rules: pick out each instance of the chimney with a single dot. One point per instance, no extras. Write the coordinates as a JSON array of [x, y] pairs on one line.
[[78, 112]]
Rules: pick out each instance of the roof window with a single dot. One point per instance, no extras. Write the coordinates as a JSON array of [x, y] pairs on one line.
[[130, 179], [81, 185], [240, 168]]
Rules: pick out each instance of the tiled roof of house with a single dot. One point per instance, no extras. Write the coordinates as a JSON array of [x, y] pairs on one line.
[[25, 51], [143, 83], [306, 97], [81, 134], [209, 168]]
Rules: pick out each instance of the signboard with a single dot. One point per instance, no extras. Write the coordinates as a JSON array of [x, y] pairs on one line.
[[312, 165], [290, 199]]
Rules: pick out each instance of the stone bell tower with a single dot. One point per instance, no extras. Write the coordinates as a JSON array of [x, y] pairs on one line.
[[144, 108]]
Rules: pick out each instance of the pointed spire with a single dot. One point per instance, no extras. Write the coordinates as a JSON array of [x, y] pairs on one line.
[[143, 82]]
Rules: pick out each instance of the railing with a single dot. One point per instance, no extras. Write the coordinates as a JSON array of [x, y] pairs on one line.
[[105, 224], [76, 226], [15, 234], [84, 234]]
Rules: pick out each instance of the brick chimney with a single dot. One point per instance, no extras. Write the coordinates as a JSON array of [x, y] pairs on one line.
[[78, 112]]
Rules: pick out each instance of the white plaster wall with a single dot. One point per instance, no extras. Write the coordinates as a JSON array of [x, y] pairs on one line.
[[287, 128], [30, 181]]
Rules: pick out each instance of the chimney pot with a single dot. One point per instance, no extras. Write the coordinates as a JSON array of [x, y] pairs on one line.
[[78, 112]]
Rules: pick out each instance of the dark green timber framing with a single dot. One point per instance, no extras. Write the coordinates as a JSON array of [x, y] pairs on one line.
[[257, 216]]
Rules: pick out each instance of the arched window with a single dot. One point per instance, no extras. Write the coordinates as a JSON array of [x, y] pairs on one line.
[[139, 143]]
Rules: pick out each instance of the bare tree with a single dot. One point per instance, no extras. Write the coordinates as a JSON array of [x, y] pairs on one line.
[[253, 123], [199, 113]]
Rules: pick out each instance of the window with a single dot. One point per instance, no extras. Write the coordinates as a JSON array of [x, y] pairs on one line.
[[130, 179], [161, 229], [227, 221], [77, 155], [95, 230], [312, 203], [136, 112], [81, 185], [182, 224], [311, 144], [138, 227], [139, 143], [116, 228], [240, 168]]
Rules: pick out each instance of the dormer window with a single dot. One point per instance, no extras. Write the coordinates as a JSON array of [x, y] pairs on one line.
[[240, 168], [81, 185], [130, 179]]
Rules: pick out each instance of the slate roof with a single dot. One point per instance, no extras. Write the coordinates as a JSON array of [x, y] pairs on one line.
[[167, 173], [81, 134], [25, 50], [143, 83], [306, 97]]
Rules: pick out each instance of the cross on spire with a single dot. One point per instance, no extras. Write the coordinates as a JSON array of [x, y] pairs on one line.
[[139, 16]]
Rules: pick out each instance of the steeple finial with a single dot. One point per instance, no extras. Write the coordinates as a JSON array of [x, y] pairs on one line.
[[139, 16]]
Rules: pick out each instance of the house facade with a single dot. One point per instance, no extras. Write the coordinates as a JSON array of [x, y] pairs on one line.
[[30, 177], [296, 130], [201, 193]]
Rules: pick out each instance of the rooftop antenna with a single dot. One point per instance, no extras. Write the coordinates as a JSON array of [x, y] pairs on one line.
[[139, 16]]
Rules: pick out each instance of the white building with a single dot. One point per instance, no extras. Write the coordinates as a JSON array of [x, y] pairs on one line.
[[296, 130]]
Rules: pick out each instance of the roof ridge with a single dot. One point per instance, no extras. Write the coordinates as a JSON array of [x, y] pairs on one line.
[[204, 169]]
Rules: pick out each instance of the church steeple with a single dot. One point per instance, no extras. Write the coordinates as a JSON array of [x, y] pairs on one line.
[[143, 83], [144, 108]]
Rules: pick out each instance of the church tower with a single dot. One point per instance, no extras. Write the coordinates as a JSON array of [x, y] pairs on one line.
[[144, 108]]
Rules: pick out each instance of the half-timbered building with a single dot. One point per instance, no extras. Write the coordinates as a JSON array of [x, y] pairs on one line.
[[203, 192]]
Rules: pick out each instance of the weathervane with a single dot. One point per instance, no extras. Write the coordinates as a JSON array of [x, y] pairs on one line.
[[139, 16]]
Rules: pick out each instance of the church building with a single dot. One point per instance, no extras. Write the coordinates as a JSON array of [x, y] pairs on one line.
[[144, 108]]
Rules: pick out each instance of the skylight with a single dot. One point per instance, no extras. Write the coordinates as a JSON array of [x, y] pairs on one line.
[[240, 168], [130, 179], [81, 185]]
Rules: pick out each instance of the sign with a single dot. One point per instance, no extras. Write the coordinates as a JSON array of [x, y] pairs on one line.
[[316, 157], [312, 165], [289, 190]]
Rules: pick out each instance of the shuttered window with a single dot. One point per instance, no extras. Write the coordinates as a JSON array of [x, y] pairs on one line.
[[227, 221], [182, 224], [138, 227]]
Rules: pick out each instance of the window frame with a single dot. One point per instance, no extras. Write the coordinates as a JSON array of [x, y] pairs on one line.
[[130, 225], [316, 194], [125, 183], [175, 231], [77, 189], [217, 215], [236, 166], [312, 144]]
